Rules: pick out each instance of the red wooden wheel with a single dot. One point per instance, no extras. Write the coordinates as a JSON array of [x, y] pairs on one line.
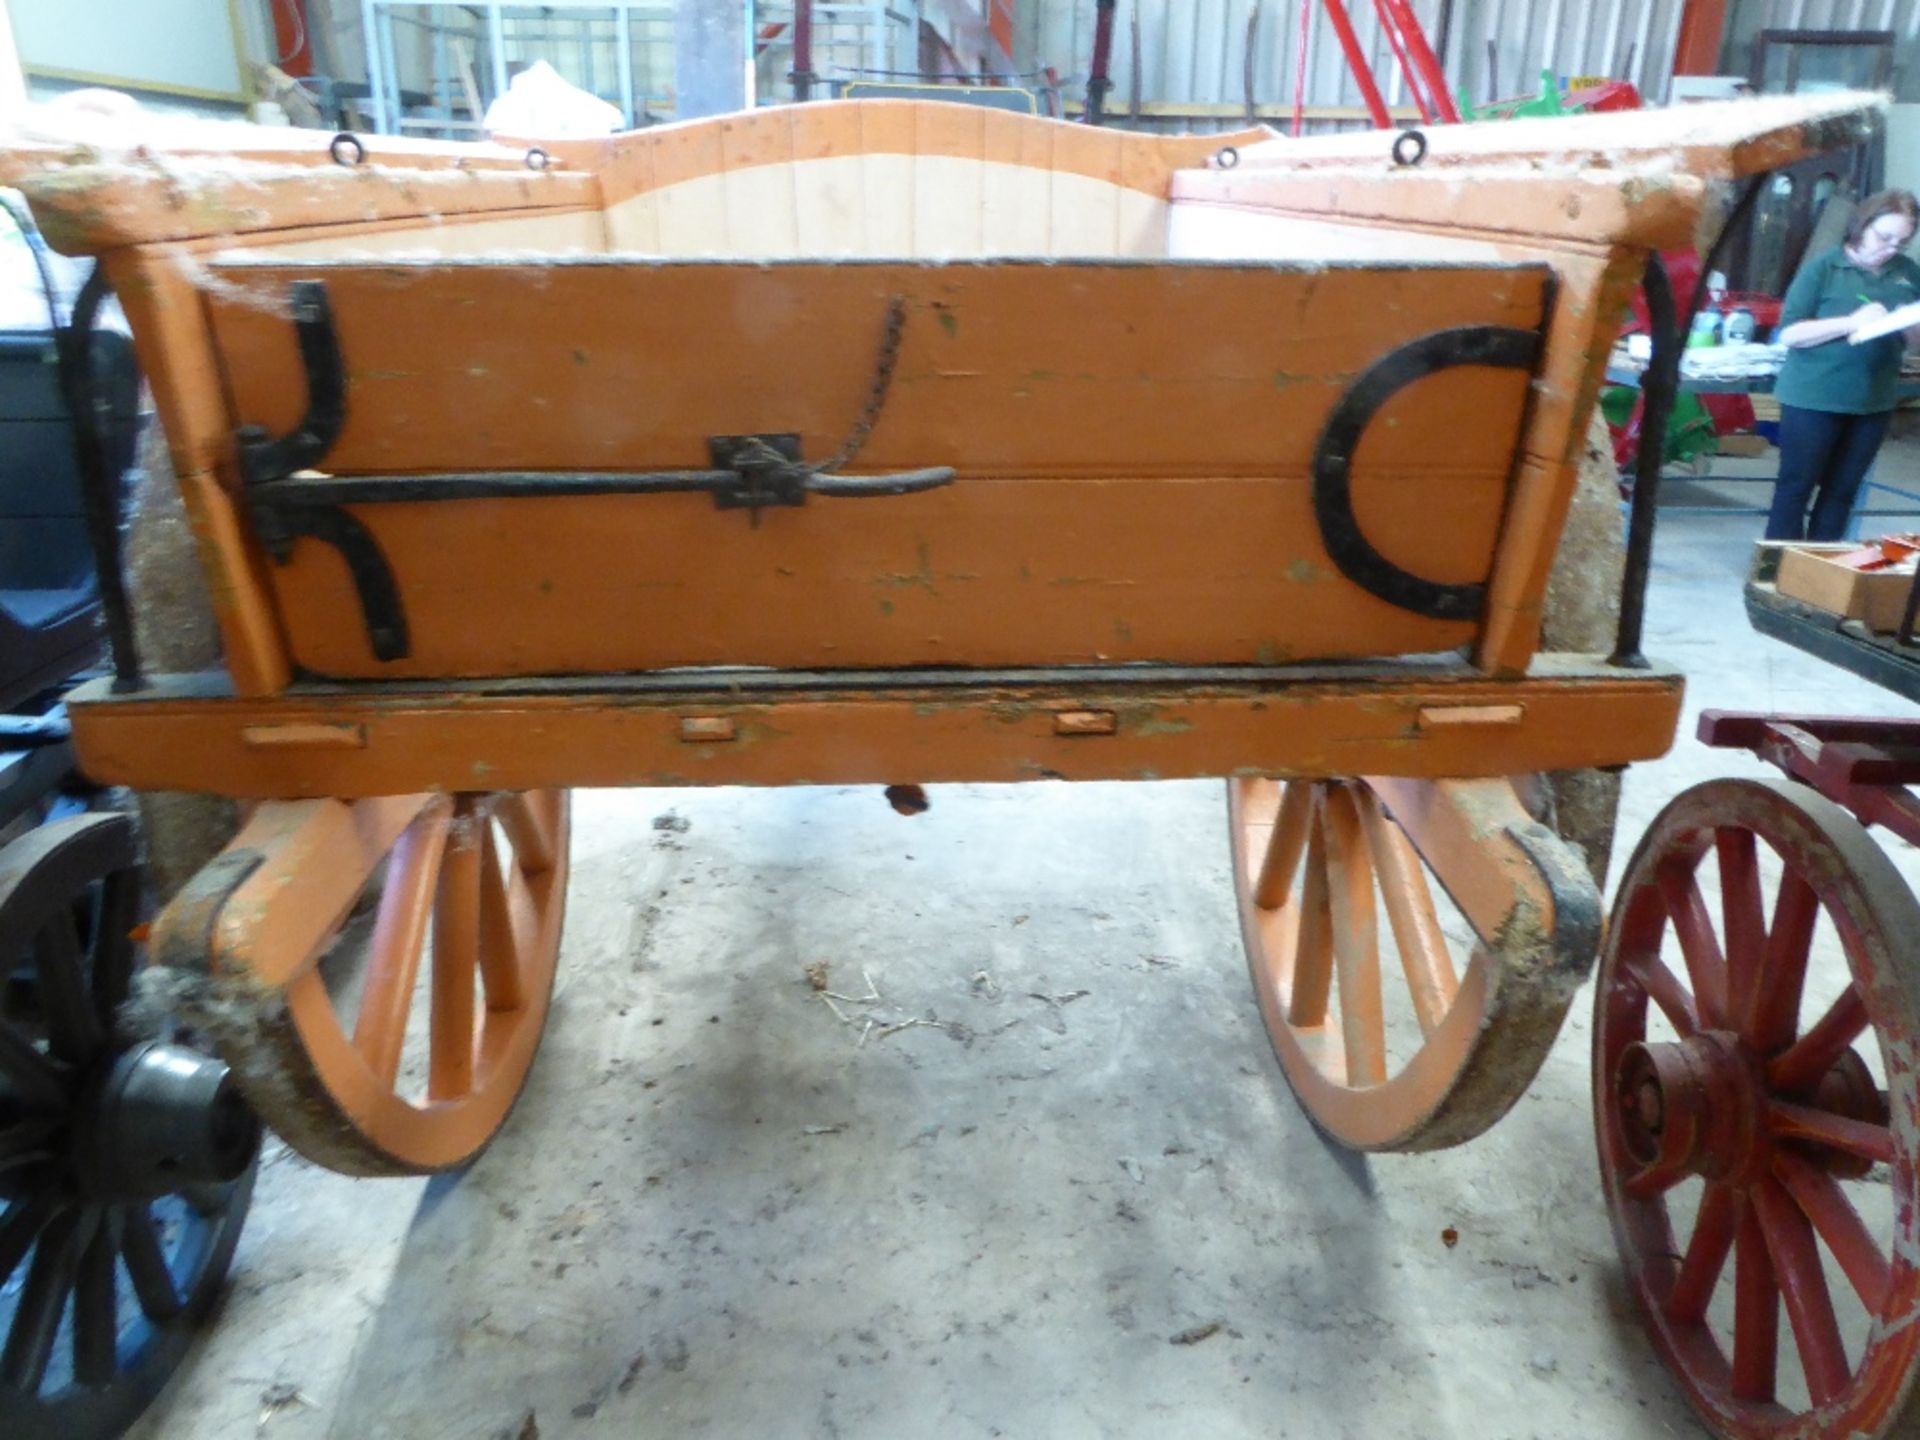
[[1756, 1011]]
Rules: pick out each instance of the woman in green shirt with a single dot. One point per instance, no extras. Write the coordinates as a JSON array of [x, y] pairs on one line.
[[1837, 395]]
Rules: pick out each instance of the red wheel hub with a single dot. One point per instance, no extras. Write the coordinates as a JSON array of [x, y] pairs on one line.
[[1695, 1107]]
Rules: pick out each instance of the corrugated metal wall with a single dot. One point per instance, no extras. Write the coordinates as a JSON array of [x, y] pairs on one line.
[[1194, 53]]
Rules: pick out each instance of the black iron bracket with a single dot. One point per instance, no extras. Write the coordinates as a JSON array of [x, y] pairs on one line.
[[264, 457], [750, 472], [1499, 346]]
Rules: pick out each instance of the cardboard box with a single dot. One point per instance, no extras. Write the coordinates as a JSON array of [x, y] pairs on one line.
[[1812, 574]]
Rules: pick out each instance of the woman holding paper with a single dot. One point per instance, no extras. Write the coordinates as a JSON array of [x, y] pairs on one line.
[[1846, 321]]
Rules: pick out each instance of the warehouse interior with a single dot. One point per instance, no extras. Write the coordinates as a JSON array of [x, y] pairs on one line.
[[1332, 848]]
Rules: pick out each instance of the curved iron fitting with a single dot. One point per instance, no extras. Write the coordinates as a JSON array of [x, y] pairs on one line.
[[1502, 347], [381, 610], [104, 449], [264, 457], [1660, 390]]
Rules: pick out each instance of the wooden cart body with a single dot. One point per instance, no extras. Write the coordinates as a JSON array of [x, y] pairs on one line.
[[881, 442], [1261, 448]]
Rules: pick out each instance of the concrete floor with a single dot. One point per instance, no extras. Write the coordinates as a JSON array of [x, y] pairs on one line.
[[715, 1213]]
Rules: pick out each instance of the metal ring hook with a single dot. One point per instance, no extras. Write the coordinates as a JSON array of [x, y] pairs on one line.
[[346, 149], [1226, 157], [538, 159], [1413, 141]]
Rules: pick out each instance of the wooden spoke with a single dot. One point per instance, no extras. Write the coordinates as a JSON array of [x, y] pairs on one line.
[[1663, 987], [21, 1225], [1654, 1180], [1706, 1255], [1356, 945], [1775, 1004], [528, 821], [1803, 1285], [1822, 1200], [1800, 1067], [36, 1318], [110, 950], [1693, 926], [1313, 958], [456, 947], [1743, 913], [1315, 862], [399, 935], [36, 1085], [1855, 1137], [1756, 1313], [499, 937], [474, 889], [1431, 980], [1284, 845], [27, 1142], [147, 1266], [74, 1032], [95, 1321]]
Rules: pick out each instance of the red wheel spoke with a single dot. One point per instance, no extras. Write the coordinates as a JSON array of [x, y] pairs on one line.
[[1654, 1180], [1774, 1008], [1743, 914], [1663, 987], [1803, 1284], [1822, 1127], [1756, 1313], [1822, 1201], [1693, 927], [1706, 1255], [1800, 1067]]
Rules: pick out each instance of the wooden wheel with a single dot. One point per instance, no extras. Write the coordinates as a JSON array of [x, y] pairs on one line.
[[1757, 1007], [360, 1055], [1434, 1052], [125, 1165]]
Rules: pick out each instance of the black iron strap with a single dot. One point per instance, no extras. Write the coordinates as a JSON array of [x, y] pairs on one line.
[[749, 472]]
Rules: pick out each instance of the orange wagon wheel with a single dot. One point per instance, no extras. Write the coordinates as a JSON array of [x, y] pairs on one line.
[[1427, 1049], [395, 1038], [1755, 1096]]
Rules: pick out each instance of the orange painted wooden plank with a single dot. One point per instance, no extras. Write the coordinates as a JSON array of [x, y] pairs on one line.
[[184, 735], [1027, 572], [1068, 369]]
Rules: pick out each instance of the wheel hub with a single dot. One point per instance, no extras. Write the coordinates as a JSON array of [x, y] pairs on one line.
[[1698, 1106], [162, 1118], [1694, 1106]]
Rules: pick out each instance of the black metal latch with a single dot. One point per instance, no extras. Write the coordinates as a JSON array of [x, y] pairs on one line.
[[754, 471]]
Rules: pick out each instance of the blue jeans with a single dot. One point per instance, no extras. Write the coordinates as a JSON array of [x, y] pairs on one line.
[[1825, 455]]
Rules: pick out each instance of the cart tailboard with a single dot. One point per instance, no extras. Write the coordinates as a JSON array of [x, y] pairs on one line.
[[1171, 461]]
